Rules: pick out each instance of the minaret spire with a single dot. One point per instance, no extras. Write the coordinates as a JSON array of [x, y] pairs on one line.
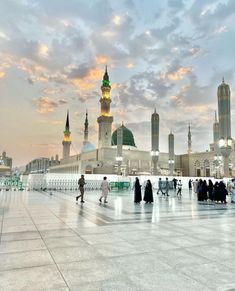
[[66, 140], [86, 129], [189, 140], [67, 121], [105, 82]]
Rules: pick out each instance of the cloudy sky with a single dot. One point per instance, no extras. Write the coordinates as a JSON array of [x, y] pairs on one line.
[[169, 54]]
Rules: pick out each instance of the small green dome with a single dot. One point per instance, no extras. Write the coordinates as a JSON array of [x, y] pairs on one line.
[[127, 135]]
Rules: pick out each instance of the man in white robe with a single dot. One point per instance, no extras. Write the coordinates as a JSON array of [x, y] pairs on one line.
[[105, 190]]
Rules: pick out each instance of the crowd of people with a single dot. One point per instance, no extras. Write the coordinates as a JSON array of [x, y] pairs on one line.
[[216, 192], [163, 189], [204, 190]]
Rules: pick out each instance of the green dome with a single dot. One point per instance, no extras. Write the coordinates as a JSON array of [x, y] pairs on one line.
[[127, 135]]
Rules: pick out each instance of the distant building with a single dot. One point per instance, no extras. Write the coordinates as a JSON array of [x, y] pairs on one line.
[[5, 165], [41, 165]]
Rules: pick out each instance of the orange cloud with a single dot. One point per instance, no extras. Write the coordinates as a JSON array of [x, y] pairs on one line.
[[95, 74], [2, 74], [101, 60], [83, 85], [89, 81], [43, 50], [177, 74], [45, 105], [130, 66]]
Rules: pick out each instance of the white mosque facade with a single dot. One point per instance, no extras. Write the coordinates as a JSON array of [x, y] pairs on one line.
[[117, 153]]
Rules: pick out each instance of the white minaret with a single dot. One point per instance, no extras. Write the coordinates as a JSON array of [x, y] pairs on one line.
[[225, 140], [155, 140], [171, 146], [189, 140], [105, 119], [67, 140]]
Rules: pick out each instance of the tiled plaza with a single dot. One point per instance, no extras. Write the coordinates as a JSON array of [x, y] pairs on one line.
[[48, 242]]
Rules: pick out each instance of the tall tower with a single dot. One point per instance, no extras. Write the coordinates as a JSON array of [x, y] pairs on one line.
[[155, 140], [86, 129], [171, 146], [216, 132], [66, 141], [189, 140], [225, 140], [105, 119], [223, 95]]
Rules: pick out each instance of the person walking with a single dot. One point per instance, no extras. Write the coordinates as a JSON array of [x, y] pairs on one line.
[[160, 187], [233, 191], [175, 183], [137, 189], [195, 185], [148, 192], [179, 188], [190, 184], [222, 192], [81, 183], [105, 190], [167, 187]]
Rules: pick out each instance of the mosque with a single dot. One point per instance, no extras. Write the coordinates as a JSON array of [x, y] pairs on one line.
[[117, 152]]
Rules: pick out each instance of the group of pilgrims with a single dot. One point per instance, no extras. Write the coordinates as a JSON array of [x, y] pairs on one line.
[[216, 192], [148, 189], [205, 191]]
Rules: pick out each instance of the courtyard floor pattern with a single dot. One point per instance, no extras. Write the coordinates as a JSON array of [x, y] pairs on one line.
[[48, 242]]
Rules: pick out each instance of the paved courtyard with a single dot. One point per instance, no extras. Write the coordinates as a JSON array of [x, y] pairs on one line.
[[48, 242]]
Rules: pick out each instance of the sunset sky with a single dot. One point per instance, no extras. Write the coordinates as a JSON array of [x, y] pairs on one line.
[[169, 54]]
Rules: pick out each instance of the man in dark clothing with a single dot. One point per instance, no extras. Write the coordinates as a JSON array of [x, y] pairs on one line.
[[175, 183], [81, 183], [167, 187]]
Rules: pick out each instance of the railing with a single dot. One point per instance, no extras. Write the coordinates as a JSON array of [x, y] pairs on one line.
[[119, 185]]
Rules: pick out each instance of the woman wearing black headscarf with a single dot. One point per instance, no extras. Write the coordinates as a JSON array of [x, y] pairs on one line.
[[137, 187], [148, 192]]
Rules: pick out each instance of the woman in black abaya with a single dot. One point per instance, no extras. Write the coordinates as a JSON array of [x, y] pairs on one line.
[[148, 192], [137, 187]]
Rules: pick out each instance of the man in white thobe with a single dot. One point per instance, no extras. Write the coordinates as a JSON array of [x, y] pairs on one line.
[[105, 190]]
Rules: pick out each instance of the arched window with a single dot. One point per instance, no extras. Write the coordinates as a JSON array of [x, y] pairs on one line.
[[206, 165], [197, 167]]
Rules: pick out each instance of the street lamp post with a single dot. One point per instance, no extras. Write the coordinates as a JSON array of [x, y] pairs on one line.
[[155, 156], [225, 145]]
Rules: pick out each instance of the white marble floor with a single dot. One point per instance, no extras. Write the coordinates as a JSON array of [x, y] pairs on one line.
[[48, 242]]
